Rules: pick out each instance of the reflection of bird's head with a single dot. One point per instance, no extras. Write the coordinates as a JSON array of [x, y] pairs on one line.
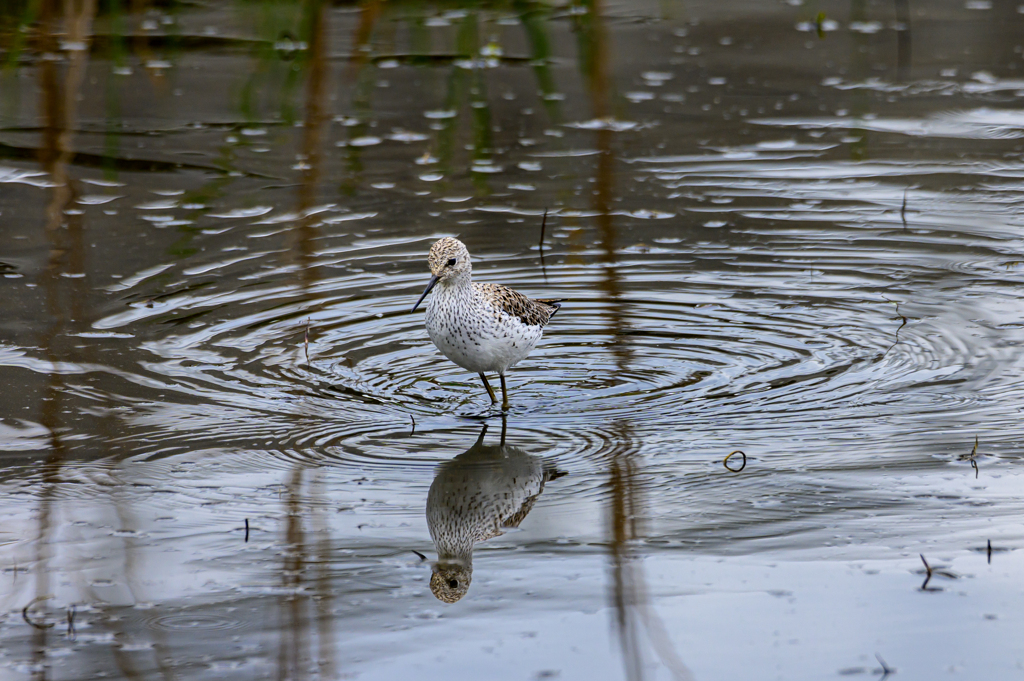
[[450, 581]]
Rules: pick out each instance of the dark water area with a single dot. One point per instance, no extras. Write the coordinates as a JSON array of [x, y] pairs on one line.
[[786, 229]]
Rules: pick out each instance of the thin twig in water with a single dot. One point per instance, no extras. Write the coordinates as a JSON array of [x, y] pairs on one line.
[[886, 670], [988, 550], [246, 530], [900, 315], [71, 621], [307, 339], [930, 571], [903, 208], [743, 465], [971, 457], [819, 22], [413, 425], [422, 557], [543, 224]]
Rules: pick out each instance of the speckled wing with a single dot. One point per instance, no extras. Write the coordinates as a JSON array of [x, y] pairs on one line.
[[520, 514], [511, 302]]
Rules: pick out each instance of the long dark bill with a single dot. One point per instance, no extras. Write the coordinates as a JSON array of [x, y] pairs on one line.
[[433, 280]]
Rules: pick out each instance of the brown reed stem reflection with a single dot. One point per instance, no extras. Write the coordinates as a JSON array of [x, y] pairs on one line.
[[318, 74], [292, 623], [633, 612], [59, 97], [297, 610]]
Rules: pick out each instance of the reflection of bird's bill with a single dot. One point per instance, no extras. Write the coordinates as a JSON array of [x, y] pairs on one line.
[[433, 282]]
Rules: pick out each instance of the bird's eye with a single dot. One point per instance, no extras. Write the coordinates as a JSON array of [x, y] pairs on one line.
[[453, 583], [452, 261]]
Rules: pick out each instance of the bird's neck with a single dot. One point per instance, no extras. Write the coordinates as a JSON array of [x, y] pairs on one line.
[[459, 286]]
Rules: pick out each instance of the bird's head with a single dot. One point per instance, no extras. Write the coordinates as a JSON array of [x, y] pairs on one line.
[[448, 258]]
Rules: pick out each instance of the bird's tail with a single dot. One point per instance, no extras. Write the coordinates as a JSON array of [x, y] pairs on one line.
[[554, 303]]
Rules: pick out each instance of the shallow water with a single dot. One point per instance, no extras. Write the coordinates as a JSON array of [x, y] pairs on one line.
[[785, 229]]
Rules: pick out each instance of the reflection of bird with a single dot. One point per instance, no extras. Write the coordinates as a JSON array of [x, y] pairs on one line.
[[475, 496], [480, 327]]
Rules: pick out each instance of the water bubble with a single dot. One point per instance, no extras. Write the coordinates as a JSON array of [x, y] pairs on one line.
[[364, 141], [657, 78], [485, 166], [867, 27], [97, 199], [604, 124], [237, 213], [400, 135]]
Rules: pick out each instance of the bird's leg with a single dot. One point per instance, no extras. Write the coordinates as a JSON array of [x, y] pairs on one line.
[[487, 385], [504, 394]]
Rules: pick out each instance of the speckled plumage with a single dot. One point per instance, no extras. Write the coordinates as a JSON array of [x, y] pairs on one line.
[[481, 327], [476, 496]]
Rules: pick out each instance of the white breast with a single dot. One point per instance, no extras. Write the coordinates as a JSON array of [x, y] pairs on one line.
[[469, 331]]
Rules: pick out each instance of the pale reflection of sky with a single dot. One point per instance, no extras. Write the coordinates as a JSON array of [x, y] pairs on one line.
[[151, 553]]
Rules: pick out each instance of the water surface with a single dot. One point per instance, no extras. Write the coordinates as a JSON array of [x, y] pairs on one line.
[[785, 229]]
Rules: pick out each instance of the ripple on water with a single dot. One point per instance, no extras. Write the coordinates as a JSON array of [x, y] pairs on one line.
[[779, 313], [648, 357], [190, 621]]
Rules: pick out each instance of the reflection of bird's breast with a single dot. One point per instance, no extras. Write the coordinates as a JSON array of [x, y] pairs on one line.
[[479, 492]]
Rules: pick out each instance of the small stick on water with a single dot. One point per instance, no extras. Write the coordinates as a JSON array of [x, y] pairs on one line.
[[989, 551], [29, 620], [413, 425], [886, 670], [246, 530], [930, 571], [307, 340], [422, 557], [903, 209], [71, 621]]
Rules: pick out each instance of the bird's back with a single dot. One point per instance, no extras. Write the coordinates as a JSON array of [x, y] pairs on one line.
[[530, 311]]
